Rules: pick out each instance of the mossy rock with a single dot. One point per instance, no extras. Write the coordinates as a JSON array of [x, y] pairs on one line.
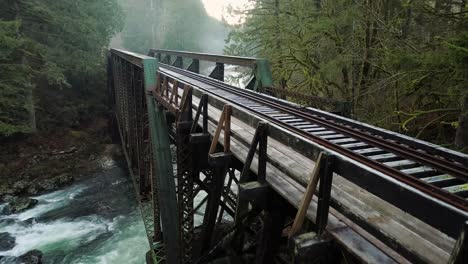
[[19, 205]]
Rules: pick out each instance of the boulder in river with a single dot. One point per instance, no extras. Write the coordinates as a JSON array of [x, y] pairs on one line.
[[55, 182], [18, 205], [31, 257], [30, 221], [7, 241]]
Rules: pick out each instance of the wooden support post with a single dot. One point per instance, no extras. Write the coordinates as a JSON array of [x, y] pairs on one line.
[[308, 248], [273, 223], [262, 152], [227, 129], [256, 192], [219, 163], [326, 179], [185, 109], [157, 89], [205, 116], [202, 108], [261, 133], [175, 84], [460, 251], [200, 146], [224, 121], [260, 138], [309, 193], [164, 85], [163, 179], [175, 91]]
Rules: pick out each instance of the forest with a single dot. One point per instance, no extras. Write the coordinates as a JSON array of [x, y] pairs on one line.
[[51, 62], [401, 65], [52, 59]]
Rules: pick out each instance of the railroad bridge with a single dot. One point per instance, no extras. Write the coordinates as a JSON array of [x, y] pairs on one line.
[[258, 179]]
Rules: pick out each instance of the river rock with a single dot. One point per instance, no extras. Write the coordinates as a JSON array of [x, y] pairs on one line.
[[7, 241], [20, 186], [31, 257], [5, 191], [32, 190], [30, 221], [18, 205], [55, 182]]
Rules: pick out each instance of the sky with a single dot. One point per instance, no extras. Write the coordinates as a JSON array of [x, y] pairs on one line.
[[218, 9]]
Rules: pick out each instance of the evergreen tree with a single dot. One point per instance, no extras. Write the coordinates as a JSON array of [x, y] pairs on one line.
[[47, 44]]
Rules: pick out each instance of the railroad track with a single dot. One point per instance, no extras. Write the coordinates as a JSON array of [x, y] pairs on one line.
[[438, 172]]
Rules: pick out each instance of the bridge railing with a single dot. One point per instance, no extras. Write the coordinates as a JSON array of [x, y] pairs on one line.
[[261, 79]]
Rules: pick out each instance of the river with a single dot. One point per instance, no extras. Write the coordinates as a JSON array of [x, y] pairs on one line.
[[95, 220]]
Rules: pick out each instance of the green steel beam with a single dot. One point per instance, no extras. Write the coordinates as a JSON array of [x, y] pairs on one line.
[[163, 184], [263, 76], [162, 181], [163, 178]]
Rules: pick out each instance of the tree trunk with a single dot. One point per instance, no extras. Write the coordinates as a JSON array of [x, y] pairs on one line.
[[283, 82], [32, 110], [30, 97], [461, 138]]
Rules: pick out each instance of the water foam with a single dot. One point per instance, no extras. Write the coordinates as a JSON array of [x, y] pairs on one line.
[[64, 233], [50, 201], [128, 238]]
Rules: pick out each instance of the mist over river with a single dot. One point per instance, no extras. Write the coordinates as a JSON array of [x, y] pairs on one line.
[[95, 220]]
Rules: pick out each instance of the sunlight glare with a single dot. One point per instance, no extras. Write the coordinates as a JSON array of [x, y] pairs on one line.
[[219, 9]]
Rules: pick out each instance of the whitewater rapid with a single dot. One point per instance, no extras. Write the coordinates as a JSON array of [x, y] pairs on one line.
[[95, 220]]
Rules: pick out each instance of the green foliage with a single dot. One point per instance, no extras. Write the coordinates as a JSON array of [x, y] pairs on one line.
[[47, 45], [403, 64]]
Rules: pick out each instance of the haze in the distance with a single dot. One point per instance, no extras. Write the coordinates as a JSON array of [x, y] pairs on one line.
[[219, 9]]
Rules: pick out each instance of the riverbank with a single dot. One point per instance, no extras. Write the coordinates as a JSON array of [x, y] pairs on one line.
[[45, 162]]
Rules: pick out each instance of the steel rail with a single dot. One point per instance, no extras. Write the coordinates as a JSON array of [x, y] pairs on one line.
[[439, 164]]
